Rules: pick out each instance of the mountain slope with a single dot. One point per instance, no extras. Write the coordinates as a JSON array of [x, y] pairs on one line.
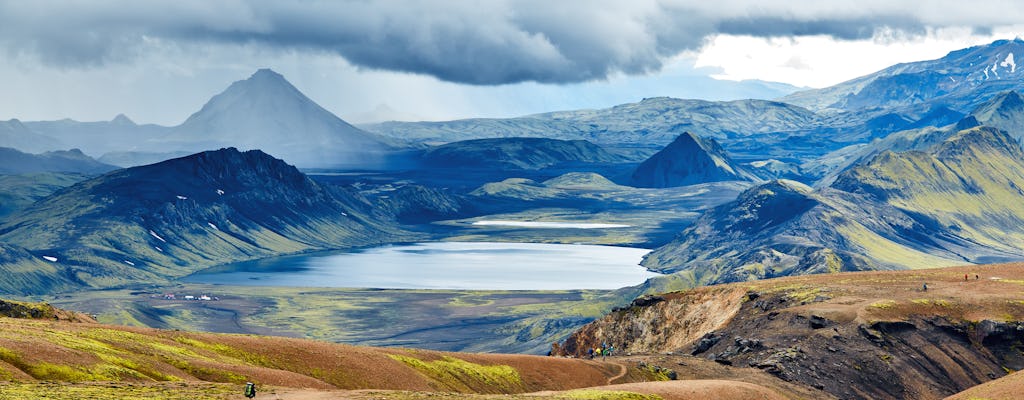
[[965, 76], [14, 134], [516, 154], [169, 219], [654, 121], [875, 335], [688, 160], [20, 191], [15, 162], [266, 112], [957, 202]]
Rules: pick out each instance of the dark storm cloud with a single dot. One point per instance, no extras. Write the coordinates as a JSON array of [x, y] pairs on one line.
[[476, 42]]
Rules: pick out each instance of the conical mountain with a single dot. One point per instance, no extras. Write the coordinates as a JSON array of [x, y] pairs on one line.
[[688, 160], [266, 112], [166, 220]]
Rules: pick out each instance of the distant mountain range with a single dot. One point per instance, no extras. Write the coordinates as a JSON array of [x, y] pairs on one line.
[[916, 165], [961, 79], [15, 162], [517, 153], [170, 219], [262, 112]]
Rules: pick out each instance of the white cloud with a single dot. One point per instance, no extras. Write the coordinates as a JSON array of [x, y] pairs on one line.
[[820, 61]]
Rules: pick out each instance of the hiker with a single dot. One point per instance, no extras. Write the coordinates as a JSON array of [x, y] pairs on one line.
[[976, 277], [965, 277], [250, 390], [590, 352], [924, 287]]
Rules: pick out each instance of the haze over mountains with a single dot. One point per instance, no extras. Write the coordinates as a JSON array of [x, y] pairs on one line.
[[913, 180], [262, 112]]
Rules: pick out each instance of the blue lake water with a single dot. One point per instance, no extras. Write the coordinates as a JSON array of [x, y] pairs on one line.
[[445, 265]]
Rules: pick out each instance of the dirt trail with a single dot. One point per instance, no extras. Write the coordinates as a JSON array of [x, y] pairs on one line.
[[623, 370]]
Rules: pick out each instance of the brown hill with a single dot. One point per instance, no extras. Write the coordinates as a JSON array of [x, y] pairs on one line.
[[869, 335], [49, 353]]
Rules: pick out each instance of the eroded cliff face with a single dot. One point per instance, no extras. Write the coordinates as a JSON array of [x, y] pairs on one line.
[[655, 324], [874, 336]]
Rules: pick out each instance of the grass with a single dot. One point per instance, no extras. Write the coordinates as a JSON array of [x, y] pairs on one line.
[[590, 394], [462, 376], [116, 391]]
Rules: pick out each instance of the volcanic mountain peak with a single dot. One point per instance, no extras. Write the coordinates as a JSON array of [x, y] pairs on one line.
[[266, 112], [688, 160]]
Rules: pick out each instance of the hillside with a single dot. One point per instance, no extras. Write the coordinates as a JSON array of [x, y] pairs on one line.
[[21, 190], [104, 361], [13, 161], [166, 220], [962, 79], [517, 154], [955, 203], [688, 160], [869, 335]]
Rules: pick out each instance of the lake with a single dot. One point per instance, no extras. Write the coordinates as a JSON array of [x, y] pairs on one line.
[[445, 265]]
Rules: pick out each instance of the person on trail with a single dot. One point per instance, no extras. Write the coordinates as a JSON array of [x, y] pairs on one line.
[[965, 277], [590, 352], [924, 287], [250, 390], [976, 277]]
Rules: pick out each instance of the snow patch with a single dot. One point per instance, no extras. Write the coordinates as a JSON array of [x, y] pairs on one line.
[[1008, 62], [345, 214], [994, 72], [213, 226], [129, 263], [180, 197], [952, 79], [986, 73], [153, 234], [220, 192], [50, 258], [158, 249]]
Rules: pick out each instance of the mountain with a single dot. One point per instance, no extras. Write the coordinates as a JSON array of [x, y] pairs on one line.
[[1004, 111], [14, 134], [875, 335], [957, 201], [963, 78], [99, 137], [167, 220], [653, 122], [688, 160], [15, 162], [21, 190], [517, 154], [266, 112]]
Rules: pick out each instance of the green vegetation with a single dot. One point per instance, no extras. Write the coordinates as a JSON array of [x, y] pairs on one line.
[[116, 391], [462, 376], [590, 394], [883, 304]]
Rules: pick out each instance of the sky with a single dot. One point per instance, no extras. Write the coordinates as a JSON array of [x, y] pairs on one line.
[[159, 61]]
